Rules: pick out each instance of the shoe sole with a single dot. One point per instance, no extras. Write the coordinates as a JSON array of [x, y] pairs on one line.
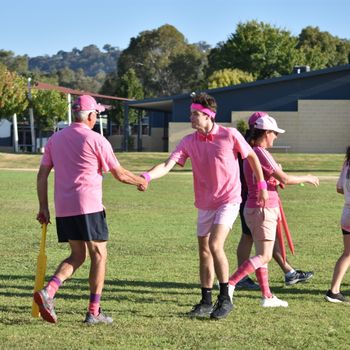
[[43, 311], [335, 301], [274, 306], [299, 281]]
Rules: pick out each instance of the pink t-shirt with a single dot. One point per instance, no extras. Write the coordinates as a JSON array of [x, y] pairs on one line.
[[78, 155], [269, 166], [214, 165], [344, 183]]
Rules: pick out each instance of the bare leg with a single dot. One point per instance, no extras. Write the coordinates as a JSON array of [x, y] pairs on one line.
[[216, 244], [279, 259], [68, 266], [244, 248], [206, 265], [341, 266], [98, 255]]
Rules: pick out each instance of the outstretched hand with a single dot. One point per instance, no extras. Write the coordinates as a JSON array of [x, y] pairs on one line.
[[313, 180]]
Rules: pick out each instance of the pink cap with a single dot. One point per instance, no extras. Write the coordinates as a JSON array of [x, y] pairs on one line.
[[268, 123], [86, 103], [255, 116]]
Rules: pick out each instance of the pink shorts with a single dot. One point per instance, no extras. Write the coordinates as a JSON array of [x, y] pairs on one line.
[[224, 215], [262, 222], [345, 219]]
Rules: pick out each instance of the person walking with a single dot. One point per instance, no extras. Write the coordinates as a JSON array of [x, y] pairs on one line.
[[262, 220], [291, 275], [213, 151], [79, 157], [334, 295]]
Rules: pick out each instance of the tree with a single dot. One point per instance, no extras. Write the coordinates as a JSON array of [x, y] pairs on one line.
[[227, 77], [257, 48], [163, 61], [321, 49], [14, 63], [49, 106], [13, 89], [129, 86]]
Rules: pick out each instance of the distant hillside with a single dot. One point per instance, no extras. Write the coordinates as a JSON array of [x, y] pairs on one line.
[[90, 59]]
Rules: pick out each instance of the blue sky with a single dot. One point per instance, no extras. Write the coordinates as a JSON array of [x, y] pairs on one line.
[[38, 27]]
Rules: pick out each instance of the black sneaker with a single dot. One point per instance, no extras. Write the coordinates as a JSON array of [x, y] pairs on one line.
[[298, 276], [247, 283], [335, 298], [200, 310], [221, 309]]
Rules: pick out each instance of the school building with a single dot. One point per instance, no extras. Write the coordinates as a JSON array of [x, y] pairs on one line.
[[313, 107]]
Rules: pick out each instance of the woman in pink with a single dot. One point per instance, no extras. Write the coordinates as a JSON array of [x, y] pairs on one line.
[[262, 220], [334, 294]]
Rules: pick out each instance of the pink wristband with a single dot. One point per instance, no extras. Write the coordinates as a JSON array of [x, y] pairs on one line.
[[262, 185], [146, 176]]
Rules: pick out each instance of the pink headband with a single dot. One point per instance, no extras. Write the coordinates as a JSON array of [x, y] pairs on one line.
[[199, 107]]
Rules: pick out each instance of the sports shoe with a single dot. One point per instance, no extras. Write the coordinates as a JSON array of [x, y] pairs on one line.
[[335, 298], [247, 283], [100, 318], [46, 307], [273, 302], [298, 276], [231, 289], [221, 309], [200, 310]]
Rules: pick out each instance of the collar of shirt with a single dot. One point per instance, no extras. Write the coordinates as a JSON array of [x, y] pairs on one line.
[[209, 136]]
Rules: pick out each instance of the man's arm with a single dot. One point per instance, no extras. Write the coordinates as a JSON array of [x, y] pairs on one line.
[[127, 177], [257, 170], [43, 215]]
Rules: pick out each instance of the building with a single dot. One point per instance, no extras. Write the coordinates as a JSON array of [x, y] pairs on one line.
[[313, 106]]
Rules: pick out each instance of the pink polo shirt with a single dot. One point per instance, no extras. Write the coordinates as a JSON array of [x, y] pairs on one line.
[[214, 165], [78, 155], [269, 166]]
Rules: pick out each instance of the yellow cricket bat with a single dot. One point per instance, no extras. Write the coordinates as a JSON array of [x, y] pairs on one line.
[[40, 270]]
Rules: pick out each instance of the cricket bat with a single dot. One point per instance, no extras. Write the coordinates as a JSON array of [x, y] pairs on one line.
[[40, 270]]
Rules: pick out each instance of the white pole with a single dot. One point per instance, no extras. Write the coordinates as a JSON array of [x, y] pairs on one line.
[[15, 132], [69, 100], [31, 116], [101, 126]]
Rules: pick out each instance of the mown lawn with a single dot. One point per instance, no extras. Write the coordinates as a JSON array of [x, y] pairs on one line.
[[152, 278]]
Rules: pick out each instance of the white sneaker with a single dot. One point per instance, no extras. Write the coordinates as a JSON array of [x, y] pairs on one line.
[[231, 289], [273, 302]]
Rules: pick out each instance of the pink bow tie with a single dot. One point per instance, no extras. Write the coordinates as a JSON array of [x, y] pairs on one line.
[[204, 138]]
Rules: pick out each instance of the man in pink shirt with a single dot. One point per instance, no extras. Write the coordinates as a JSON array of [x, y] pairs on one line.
[[213, 152], [79, 156]]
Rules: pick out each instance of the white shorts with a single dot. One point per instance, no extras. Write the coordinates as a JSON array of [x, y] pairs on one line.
[[345, 219], [224, 215]]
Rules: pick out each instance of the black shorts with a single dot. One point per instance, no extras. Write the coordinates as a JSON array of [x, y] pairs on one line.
[[245, 228], [85, 227]]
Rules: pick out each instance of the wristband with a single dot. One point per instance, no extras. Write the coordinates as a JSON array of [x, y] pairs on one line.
[[146, 176], [262, 185]]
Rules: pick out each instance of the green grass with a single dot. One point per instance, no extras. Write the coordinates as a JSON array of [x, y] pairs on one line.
[[152, 277]]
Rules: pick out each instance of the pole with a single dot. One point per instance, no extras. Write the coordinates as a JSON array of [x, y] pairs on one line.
[[69, 101], [101, 125], [15, 133], [31, 116], [126, 127]]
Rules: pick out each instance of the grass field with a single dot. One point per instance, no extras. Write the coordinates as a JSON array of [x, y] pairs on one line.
[[152, 277]]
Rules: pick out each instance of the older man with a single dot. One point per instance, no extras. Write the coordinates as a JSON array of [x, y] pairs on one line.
[[79, 156]]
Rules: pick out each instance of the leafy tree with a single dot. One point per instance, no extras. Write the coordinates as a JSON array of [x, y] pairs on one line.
[[129, 86], [257, 48], [14, 63], [13, 88], [227, 77], [160, 57], [242, 126], [321, 49], [50, 107]]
